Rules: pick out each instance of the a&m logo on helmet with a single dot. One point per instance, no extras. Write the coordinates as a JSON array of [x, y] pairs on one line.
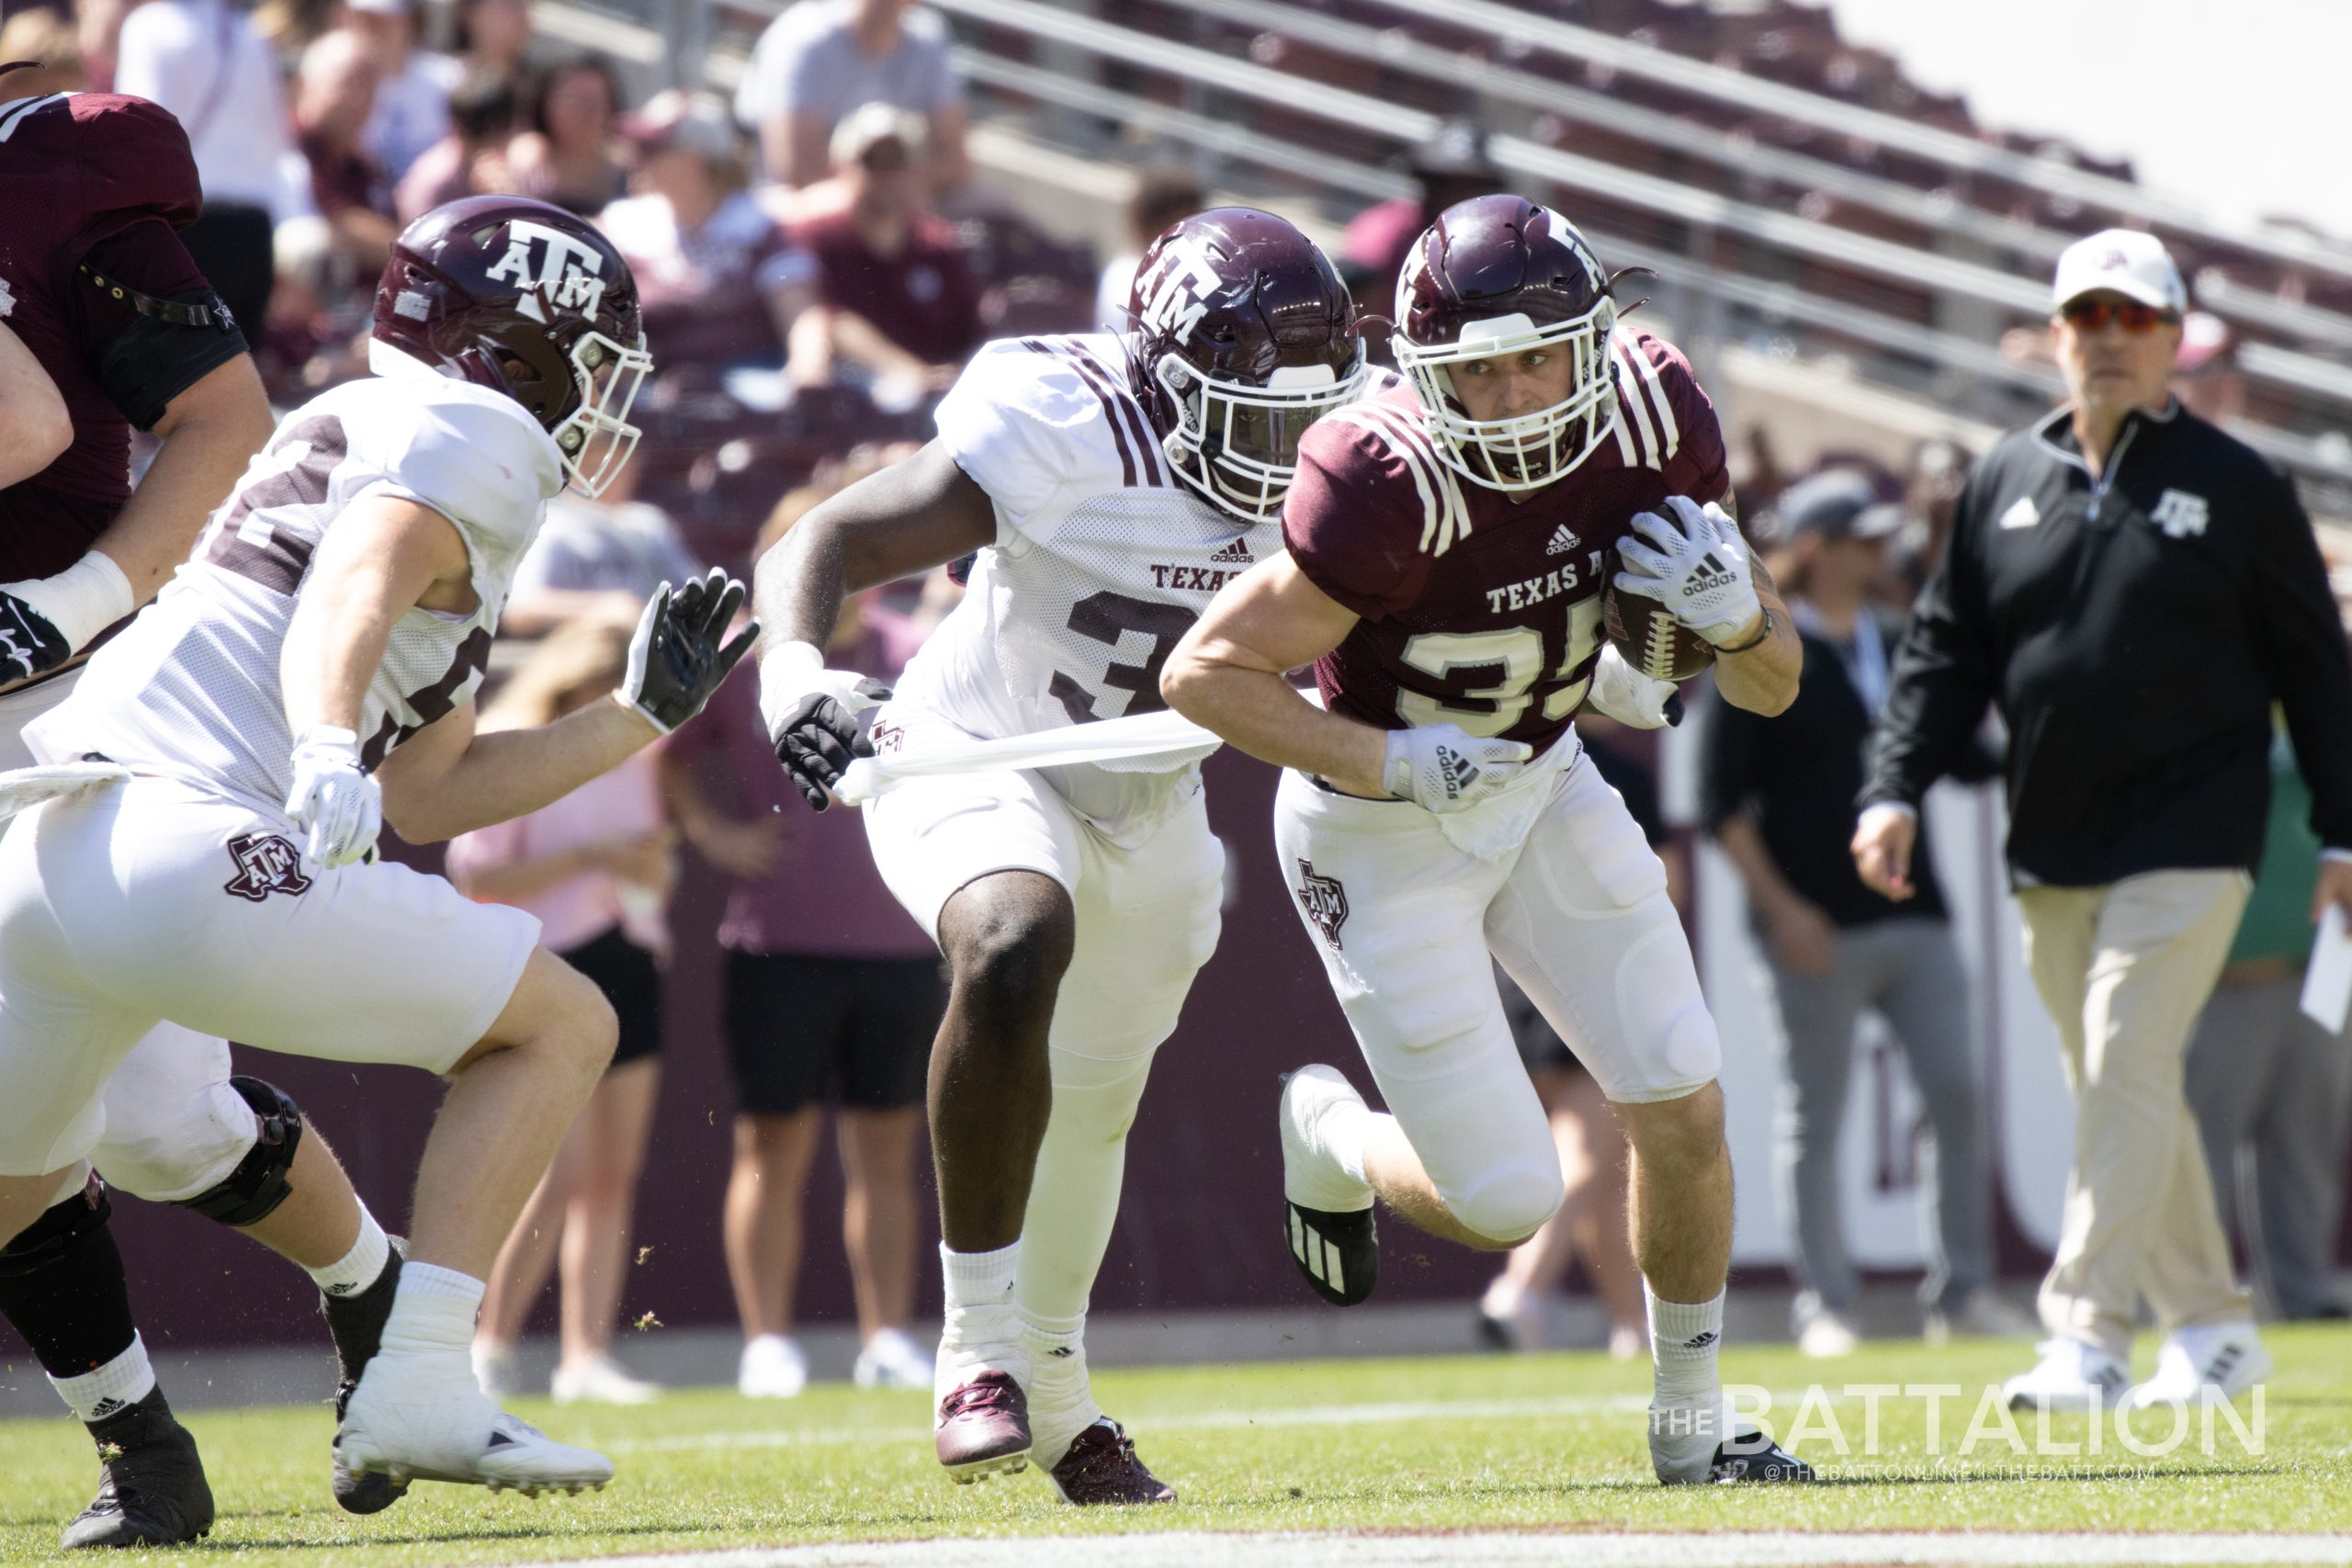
[[1176, 292], [569, 274]]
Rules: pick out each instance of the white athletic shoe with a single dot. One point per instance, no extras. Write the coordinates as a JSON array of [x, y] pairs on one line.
[[773, 1367], [2196, 1366], [1981, 1313], [2071, 1375], [1828, 1336], [1311, 1177], [494, 1371], [890, 1360], [602, 1382], [419, 1416]]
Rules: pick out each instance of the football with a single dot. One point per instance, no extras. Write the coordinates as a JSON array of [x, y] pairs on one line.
[[1652, 640]]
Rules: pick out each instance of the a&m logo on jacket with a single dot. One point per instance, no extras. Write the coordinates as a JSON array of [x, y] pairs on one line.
[[567, 273], [2179, 513]]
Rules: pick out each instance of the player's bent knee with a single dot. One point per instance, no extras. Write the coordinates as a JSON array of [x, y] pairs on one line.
[[555, 1011], [1009, 943], [1506, 1207]]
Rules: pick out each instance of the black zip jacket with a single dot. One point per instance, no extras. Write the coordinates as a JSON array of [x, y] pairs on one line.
[[2135, 631]]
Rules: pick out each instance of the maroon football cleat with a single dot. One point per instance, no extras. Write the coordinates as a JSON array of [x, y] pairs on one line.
[[983, 1428], [1101, 1470]]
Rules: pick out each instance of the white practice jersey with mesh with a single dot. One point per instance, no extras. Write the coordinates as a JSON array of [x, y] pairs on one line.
[[190, 689], [1102, 559]]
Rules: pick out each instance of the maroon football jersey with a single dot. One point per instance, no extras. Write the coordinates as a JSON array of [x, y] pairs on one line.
[[1483, 609], [102, 179]]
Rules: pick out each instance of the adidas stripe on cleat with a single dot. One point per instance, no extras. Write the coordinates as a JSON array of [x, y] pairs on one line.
[[1338, 1252]]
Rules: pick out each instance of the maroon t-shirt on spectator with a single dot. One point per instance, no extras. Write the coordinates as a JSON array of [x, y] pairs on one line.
[[824, 899], [923, 300], [341, 181], [93, 180]]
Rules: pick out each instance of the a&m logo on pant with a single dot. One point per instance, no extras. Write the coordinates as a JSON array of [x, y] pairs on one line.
[[267, 863], [1325, 901]]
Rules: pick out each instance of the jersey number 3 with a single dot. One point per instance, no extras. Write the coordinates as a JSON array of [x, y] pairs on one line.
[[1106, 617], [1517, 653]]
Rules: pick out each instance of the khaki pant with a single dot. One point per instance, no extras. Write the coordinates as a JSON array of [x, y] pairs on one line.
[[2124, 970]]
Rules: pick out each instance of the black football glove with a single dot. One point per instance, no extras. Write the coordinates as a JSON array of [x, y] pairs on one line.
[[676, 661], [29, 644], [817, 717]]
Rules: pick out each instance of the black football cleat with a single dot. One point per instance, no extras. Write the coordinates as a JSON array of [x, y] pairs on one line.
[[152, 1491], [1754, 1457], [356, 1323], [1338, 1252], [1100, 1470]]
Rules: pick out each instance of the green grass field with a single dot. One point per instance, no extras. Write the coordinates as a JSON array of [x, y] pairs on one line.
[[1536, 1442]]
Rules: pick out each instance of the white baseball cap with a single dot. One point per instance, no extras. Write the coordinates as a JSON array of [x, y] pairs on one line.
[[2133, 264]]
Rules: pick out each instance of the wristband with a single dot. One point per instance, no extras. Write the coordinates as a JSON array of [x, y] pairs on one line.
[[81, 600]]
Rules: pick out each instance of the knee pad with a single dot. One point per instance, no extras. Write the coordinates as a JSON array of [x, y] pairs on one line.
[[251, 1192], [1508, 1206], [61, 1224]]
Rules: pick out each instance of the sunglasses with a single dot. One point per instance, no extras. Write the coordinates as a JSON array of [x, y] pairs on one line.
[[2093, 315]]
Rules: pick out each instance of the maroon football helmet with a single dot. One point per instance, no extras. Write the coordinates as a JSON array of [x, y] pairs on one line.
[[526, 299], [1499, 274], [1242, 336]]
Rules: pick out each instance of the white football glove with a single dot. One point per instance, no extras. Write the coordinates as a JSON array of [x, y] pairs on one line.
[[339, 806], [1444, 767], [1693, 559], [816, 717], [1625, 694]]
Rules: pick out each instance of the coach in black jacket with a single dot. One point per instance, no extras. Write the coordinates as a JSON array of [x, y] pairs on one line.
[[2135, 588]]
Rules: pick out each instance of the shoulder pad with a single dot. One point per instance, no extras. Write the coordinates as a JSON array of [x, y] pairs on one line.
[[85, 159]]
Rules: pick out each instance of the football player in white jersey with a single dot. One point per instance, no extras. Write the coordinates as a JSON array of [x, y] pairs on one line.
[[199, 851], [1111, 485]]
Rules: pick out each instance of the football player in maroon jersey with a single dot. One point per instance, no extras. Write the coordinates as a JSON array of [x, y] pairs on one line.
[[1450, 544], [107, 312]]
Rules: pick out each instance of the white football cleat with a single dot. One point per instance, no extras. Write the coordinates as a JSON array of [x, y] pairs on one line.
[[2071, 1375], [1827, 1335], [419, 1416], [2212, 1364], [890, 1360], [773, 1367], [602, 1382]]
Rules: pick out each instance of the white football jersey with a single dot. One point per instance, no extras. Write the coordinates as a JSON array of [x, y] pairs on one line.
[[190, 689], [1102, 559]]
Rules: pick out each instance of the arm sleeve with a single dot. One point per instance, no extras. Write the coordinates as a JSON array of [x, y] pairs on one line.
[[141, 361], [1731, 744], [1943, 673], [942, 88], [2299, 639], [1699, 467], [1355, 518], [798, 84]]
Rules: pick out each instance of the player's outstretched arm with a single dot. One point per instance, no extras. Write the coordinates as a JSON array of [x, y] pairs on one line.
[[448, 779], [907, 518], [1229, 673], [34, 426]]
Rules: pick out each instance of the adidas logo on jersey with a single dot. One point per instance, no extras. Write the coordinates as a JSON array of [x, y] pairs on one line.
[[1234, 554], [1564, 539]]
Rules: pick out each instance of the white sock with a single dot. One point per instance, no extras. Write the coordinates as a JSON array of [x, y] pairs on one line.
[[978, 1278], [126, 1380], [432, 1311], [1061, 1395], [1683, 1339], [1343, 1130], [362, 1266]]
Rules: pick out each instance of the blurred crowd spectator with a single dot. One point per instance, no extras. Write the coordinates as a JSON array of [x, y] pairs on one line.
[[821, 60]]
